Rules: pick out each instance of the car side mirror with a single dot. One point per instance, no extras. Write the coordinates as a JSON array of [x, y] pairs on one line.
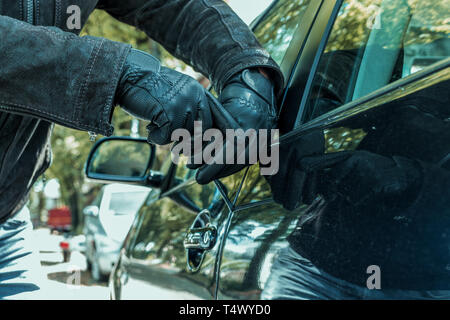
[[91, 211], [123, 159]]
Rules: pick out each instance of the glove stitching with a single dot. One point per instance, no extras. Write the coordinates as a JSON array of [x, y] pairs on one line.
[[247, 104], [150, 82], [175, 90]]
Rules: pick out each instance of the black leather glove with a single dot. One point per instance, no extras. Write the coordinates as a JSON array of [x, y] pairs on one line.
[[168, 99], [249, 98], [366, 179], [359, 177], [296, 182]]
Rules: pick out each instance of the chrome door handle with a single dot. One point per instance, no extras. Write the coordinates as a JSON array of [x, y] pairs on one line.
[[201, 238]]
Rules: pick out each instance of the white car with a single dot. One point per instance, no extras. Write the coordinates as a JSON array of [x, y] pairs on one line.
[[107, 221]]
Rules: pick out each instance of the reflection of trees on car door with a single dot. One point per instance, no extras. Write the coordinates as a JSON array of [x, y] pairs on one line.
[[256, 234]]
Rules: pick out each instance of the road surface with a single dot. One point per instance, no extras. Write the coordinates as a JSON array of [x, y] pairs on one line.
[[66, 280]]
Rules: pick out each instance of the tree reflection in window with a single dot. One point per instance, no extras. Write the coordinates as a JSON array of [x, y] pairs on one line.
[[374, 43], [277, 29]]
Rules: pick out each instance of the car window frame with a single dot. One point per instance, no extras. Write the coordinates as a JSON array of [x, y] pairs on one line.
[[299, 122], [300, 36], [424, 78], [346, 110]]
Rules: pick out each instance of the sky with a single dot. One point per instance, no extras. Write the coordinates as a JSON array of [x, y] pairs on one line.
[[249, 9]]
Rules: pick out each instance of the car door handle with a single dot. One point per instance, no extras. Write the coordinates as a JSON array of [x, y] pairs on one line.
[[201, 238]]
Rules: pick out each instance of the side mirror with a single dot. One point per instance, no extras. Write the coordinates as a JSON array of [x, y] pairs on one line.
[[91, 211], [122, 159]]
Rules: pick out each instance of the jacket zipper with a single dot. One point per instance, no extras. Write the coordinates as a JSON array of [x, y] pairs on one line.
[[29, 5]]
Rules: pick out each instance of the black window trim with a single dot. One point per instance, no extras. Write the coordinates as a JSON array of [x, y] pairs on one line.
[[315, 65], [396, 89], [299, 123]]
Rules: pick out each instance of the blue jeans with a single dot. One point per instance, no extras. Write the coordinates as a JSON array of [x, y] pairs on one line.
[[295, 277], [20, 270]]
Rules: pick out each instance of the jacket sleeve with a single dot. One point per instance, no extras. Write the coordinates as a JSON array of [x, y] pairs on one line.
[[205, 34], [58, 76]]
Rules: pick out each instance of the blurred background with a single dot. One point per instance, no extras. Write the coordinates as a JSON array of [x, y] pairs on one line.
[[67, 210]]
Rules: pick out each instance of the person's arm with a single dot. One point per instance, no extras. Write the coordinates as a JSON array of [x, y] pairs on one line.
[[58, 76], [205, 34]]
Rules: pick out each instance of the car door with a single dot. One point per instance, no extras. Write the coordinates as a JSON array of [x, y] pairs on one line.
[[363, 78]]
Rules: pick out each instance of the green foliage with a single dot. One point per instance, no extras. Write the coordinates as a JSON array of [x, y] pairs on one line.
[[427, 20], [278, 28], [101, 24]]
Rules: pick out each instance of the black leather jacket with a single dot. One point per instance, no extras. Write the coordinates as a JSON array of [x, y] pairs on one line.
[[50, 75]]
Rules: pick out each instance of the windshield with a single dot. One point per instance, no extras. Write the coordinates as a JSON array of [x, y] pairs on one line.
[[122, 208], [126, 203]]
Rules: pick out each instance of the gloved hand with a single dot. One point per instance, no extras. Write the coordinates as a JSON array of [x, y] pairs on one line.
[[366, 179], [249, 98], [168, 99], [359, 177], [296, 182]]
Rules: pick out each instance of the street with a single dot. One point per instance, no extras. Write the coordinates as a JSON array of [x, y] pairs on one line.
[[66, 280]]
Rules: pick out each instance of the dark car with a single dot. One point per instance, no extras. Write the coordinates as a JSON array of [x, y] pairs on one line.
[[221, 240]]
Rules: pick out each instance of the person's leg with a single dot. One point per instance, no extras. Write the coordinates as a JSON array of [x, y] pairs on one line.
[[21, 276], [295, 277], [396, 294]]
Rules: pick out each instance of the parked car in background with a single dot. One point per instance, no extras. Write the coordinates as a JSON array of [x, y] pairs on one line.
[[107, 221], [59, 219], [222, 240]]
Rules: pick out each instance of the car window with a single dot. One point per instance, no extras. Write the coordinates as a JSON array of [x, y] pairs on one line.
[[276, 30], [122, 208], [126, 203], [374, 43]]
